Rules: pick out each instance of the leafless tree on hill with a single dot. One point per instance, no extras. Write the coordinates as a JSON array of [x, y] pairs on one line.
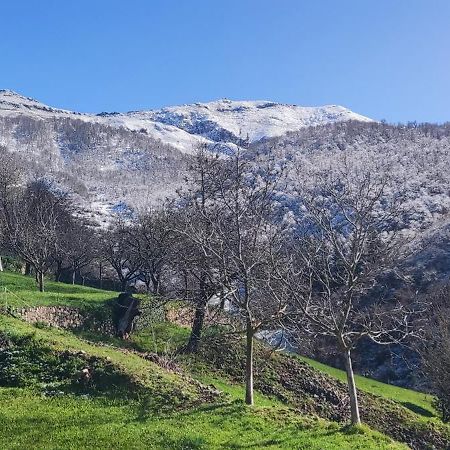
[[347, 240]]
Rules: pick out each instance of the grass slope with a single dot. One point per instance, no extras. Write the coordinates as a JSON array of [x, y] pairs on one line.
[[289, 381], [272, 424], [163, 386], [418, 402], [403, 414], [165, 338], [31, 420], [21, 292]]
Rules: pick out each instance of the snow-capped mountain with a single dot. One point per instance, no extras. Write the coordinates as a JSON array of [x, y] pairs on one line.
[[110, 160], [14, 105], [223, 121], [227, 121]]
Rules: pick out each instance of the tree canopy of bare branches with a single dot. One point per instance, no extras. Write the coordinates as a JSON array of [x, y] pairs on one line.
[[239, 240], [435, 348], [347, 239], [33, 222]]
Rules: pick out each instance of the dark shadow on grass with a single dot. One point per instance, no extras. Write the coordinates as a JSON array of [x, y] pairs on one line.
[[417, 409], [259, 444]]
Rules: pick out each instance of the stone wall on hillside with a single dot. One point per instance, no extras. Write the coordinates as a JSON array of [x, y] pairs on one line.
[[71, 318], [65, 317]]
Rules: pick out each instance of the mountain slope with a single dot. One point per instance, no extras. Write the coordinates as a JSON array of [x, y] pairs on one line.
[[226, 121], [110, 161], [13, 104], [223, 121]]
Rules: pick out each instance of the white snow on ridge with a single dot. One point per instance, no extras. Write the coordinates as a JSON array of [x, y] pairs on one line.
[[182, 127], [12, 103], [252, 119], [169, 134]]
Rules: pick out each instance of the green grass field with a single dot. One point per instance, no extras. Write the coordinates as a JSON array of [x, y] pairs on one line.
[[30, 420], [20, 291], [169, 415]]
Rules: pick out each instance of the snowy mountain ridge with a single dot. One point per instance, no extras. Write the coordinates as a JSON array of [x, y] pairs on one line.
[[233, 120], [222, 121], [113, 160]]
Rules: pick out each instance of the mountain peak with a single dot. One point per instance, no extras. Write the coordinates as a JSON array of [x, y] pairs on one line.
[[13, 103], [7, 95], [224, 120]]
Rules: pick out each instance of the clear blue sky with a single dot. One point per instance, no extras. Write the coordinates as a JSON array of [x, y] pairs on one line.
[[383, 58]]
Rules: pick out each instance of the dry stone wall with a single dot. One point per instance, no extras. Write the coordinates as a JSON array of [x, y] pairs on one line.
[[65, 317]]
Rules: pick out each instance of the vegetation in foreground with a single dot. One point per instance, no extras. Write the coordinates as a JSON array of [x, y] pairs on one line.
[[144, 407], [92, 423], [232, 232], [21, 292], [149, 387]]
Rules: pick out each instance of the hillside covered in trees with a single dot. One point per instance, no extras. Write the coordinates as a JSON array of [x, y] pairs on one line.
[[329, 242]]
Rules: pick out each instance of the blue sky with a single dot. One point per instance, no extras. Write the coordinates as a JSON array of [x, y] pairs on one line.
[[387, 59]]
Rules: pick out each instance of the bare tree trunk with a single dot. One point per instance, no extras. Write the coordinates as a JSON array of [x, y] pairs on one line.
[[249, 365], [197, 327], [74, 274], [200, 310], [27, 269], [58, 271], [156, 284], [123, 285], [354, 407], [40, 280], [1, 264], [222, 300], [100, 274]]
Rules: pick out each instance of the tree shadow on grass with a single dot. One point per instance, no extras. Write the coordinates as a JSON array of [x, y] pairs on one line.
[[417, 409], [147, 408]]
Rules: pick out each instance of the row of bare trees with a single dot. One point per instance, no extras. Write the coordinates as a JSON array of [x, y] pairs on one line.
[[231, 233], [39, 225], [319, 273], [33, 217]]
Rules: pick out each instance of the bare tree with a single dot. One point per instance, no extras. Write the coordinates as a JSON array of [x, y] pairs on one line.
[[33, 224], [191, 254], [117, 250], [155, 237], [240, 239], [435, 348], [10, 179], [346, 242], [196, 272], [76, 246]]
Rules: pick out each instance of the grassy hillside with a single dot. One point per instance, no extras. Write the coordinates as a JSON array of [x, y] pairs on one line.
[[176, 421], [20, 291], [416, 401], [160, 399], [97, 423]]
